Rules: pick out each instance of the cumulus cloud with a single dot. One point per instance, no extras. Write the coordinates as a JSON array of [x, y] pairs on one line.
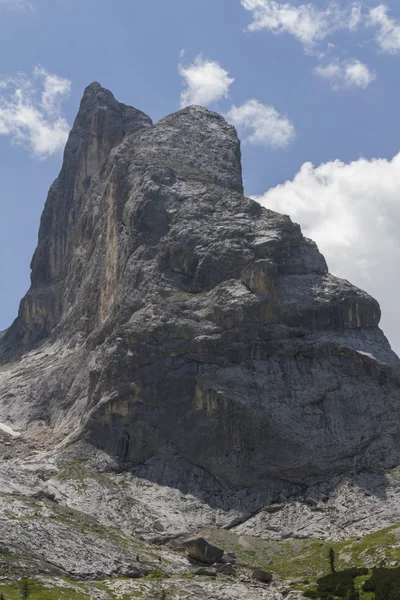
[[266, 126], [352, 211], [205, 82], [388, 35], [306, 22], [30, 111], [346, 74]]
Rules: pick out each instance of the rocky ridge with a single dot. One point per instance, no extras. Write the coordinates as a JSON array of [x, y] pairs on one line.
[[191, 350]]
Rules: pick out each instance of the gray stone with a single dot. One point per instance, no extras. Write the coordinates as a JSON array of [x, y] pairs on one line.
[[263, 576], [225, 569], [229, 558], [205, 571], [261, 276], [201, 550]]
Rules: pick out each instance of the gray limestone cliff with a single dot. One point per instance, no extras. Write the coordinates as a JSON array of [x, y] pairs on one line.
[[194, 337]]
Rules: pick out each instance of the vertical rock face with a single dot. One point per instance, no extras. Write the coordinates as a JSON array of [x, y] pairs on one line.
[[101, 124], [178, 323]]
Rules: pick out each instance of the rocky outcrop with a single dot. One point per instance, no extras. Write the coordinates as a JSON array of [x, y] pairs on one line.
[[194, 337]]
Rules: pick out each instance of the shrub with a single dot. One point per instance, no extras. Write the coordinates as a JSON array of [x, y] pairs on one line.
[[385, 583], [338, 584]]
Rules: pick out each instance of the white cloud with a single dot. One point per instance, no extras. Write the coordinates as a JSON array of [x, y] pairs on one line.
[[30, 111], [22, 5], [266, 125], [306, 22], [346, 74], [388, 35], [352, 211], [205, 82], [355, 17]]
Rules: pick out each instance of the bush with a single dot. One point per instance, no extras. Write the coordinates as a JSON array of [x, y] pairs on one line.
[[311, 594], [339, 584], [385, 583]]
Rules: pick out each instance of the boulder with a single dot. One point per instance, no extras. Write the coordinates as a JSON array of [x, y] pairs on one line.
[[225, 569], [263, 576], [229, 558], [201, 550]]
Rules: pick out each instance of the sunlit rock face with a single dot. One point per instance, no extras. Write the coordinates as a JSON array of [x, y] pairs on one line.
[[185, 330], [101, 124]]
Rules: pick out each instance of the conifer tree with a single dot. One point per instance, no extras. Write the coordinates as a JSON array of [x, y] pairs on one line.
[[25, 589], [332, 560]]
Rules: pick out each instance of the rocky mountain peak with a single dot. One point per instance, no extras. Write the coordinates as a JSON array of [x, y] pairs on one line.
[[101, 124], [194, 143], [196, 327], [202, 143], [183, 364]]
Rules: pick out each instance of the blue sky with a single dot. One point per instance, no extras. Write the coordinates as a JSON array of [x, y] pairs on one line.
[[304, 83]]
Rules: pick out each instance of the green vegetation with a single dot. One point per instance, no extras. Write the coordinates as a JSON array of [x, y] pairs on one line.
[[322, 570], [65, 589], [299, 559], [156, 575], [37, 590], [337, 585], [385, 583], [25, 588], [162, 595], [78, 472]]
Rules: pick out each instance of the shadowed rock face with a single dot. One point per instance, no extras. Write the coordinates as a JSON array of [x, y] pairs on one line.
[[175, 324]]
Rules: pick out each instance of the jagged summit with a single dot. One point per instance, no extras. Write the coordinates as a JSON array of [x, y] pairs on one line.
[[95, 85], [205, 146], [101, 124], [178, 323]]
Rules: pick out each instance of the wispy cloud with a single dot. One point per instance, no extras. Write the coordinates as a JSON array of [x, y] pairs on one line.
[[205, 82], [306, 22], [388, 34], [20, 5], [346, 74], [266, 126], [30, 111]]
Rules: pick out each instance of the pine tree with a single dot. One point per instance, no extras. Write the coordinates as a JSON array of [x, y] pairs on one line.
[[332, 560], [25, 589]]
